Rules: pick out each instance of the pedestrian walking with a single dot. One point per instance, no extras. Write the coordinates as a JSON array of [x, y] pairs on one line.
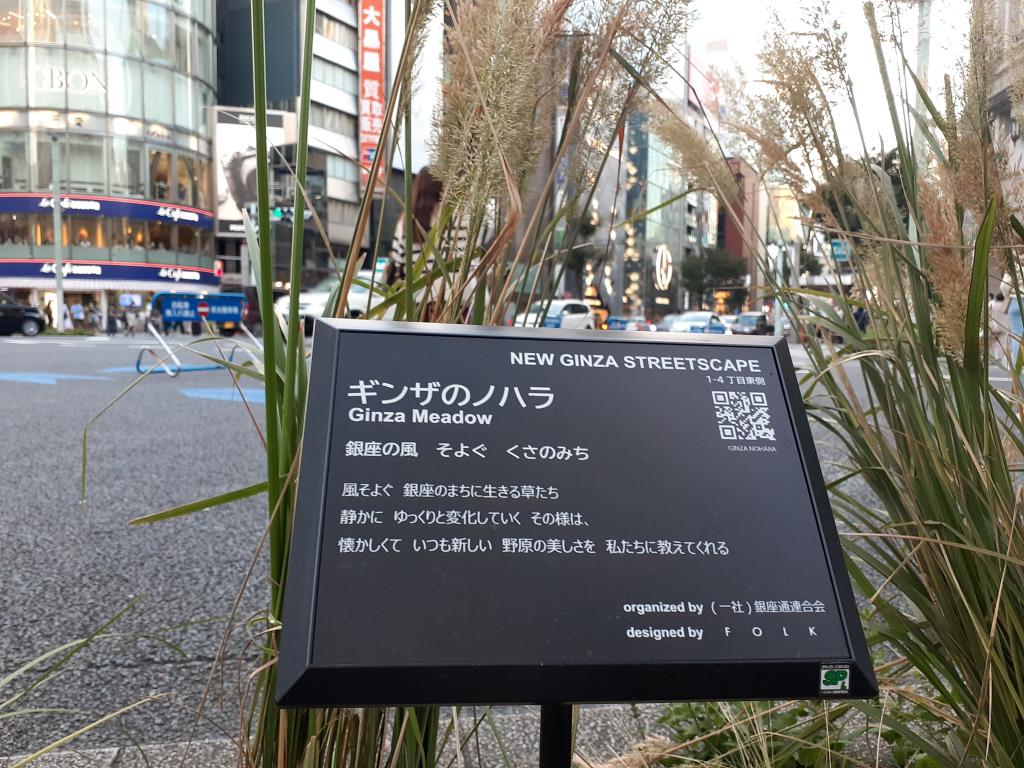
[[426, 204], [48, 312], [111, 324], [453, 243], [998, 322]]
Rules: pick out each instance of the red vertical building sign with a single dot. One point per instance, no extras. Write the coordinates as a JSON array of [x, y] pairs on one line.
[[372, 65]]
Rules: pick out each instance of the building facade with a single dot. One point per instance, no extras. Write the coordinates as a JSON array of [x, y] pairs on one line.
[[679, 226], [1009, 17], [741, 225], [110, 100], [333, 173]]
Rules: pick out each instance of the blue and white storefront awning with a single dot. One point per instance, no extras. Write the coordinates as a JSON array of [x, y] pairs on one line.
[[105, 276], [101, 205]]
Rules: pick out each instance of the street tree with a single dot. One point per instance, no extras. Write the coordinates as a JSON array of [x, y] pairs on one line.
[[710, 270]]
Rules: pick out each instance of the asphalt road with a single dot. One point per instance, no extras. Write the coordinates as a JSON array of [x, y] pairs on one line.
[[69, 567]]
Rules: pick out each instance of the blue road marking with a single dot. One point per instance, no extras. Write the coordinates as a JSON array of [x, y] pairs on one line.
[[47, 378], [228, 394], [159, 369]]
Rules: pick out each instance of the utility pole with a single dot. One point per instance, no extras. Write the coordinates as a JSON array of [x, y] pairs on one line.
[[924, 39], [775, 253], [58, 240]]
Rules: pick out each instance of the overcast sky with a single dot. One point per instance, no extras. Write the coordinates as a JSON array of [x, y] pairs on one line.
[[717, 21]]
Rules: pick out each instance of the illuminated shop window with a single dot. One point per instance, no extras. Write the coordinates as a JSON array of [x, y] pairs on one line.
[[12, 84], [125, 26], [160, 240], [13, 162], [158, 34], [186, 180], [12, 21], [127, 238], [84, 23], [160, 175], [85, 161], [45, 21], [14, 229], [125, 167]]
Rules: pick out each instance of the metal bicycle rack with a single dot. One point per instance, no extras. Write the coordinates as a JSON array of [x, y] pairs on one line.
[[188, 307], [162, 367]]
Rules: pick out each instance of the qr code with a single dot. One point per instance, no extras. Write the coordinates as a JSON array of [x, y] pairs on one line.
[[743, 416]]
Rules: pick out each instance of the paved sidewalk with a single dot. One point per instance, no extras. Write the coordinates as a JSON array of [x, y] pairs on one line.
[[202, 754], [604, 732], [799, 355]]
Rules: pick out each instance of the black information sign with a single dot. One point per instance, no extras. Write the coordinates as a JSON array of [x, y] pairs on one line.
[[499, 515]]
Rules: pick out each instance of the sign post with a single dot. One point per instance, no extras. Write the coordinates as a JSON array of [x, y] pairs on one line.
[[555, 736], [509, 515]]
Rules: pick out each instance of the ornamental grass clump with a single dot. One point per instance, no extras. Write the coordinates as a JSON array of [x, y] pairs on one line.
[[927, 412], [495, 113], [699, 164]]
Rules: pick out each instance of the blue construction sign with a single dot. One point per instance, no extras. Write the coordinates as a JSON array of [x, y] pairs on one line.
[[193, 307]]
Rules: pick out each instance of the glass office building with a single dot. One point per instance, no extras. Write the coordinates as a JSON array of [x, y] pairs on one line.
[[118, 93]]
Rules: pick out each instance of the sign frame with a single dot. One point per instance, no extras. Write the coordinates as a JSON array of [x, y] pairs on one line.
[[299, 683]]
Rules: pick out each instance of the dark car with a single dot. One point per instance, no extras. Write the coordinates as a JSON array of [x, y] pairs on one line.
[[19, 318], [752, 324]]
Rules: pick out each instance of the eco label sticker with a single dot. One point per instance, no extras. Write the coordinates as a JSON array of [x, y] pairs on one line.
[[835, 679]]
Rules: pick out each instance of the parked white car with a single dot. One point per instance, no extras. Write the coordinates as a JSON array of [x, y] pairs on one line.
[[561, 313], [313, 301]]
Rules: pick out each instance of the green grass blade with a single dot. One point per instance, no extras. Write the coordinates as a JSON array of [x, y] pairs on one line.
[[296, 326], [926, 99], [82, 731], [266, 266], [977, 299], [63, 655], [202, 504], [85, 430], [67, 648], [36, 711], [933, 142]]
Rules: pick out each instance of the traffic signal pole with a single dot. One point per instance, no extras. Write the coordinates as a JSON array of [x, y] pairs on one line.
[[58, 239]]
